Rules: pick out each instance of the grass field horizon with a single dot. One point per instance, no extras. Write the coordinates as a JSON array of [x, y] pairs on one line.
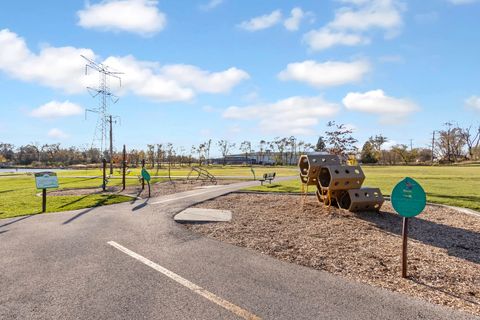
[[451, 185]]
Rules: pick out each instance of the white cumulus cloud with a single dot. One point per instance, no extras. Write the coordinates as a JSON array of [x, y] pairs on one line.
[[352, 23], [262, 22], [63, 68], [56, 109], [56, 133], [325, 38], [330, 73], [390, 109], [473, 102], [60, 68], [293, 22], [204, 81], [137, 16], [382, 14], [295, 115]]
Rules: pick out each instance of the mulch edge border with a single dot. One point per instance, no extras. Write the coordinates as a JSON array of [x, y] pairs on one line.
[[387, 198]]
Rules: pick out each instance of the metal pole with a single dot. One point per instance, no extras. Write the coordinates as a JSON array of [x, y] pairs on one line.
[[124, 162], [148, 188], [433, 145], [44, 200], [404, 247], [143, 180], [104, 174], [111, 145]]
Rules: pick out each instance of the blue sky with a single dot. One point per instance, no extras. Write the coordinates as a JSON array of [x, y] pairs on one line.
[[239, 70]]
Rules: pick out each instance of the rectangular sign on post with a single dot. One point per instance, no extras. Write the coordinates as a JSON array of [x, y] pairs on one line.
[[46, 180]]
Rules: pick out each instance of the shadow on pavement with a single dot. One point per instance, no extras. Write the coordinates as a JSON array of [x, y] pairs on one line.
[[141, 205], [17, 220], [458, 242], [81, 213], [3, 231]]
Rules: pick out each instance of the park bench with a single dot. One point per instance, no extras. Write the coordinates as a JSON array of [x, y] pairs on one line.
[[267, 177]]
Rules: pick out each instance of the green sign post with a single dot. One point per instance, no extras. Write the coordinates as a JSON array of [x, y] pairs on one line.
[[409, 200], [146, 177], [45, 180]]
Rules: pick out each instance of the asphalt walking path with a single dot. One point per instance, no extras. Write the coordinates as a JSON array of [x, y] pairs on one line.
[[132, 261]]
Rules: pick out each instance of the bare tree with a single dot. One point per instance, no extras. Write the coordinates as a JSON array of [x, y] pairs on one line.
[[450, 143], [225, 146], [402, 151], [340, 139], [246, 148], [472, 139], [151, 155]]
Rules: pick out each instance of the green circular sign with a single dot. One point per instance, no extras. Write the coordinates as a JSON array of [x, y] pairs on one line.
[[408, 198], [145, 175]]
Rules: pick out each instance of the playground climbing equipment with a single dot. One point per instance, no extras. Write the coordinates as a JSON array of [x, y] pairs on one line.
[[201, 174], [338, 184]]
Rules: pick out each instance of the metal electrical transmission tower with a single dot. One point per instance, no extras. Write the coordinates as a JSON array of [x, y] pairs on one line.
[[105, 120]]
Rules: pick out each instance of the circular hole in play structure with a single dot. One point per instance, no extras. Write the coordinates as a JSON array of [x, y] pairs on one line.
[[347, 183], [336, 171], [357, 195], [324, 160], [336, 183], [314, 160], [367, 195], [375, 194], [347, 171], [357, 171]]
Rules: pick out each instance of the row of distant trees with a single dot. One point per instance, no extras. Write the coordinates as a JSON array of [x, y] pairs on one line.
[[450, 144]]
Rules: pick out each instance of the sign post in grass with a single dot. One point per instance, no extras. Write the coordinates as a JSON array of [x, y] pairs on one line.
[[45, 180], [409, 200], [146, 177], [124, 166], [104, 183], [143, 180]]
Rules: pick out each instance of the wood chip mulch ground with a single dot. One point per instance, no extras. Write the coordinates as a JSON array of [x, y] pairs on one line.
[[444, 245], [157, 189]]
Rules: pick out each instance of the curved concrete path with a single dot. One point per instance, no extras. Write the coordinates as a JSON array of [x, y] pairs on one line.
[[64, 266]]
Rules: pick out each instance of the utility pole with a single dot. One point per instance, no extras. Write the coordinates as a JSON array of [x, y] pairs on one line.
[[433, 144], [111, 144], [411, 144]]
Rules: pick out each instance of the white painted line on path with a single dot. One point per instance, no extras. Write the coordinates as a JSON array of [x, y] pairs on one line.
[[190, 285], [187, 196]]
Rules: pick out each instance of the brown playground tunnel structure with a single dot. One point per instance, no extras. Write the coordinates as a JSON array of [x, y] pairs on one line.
[[338, 184]]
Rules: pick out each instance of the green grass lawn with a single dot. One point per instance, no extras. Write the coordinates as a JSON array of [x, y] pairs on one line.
[[18, 195], [216, 170], [452, 185]]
